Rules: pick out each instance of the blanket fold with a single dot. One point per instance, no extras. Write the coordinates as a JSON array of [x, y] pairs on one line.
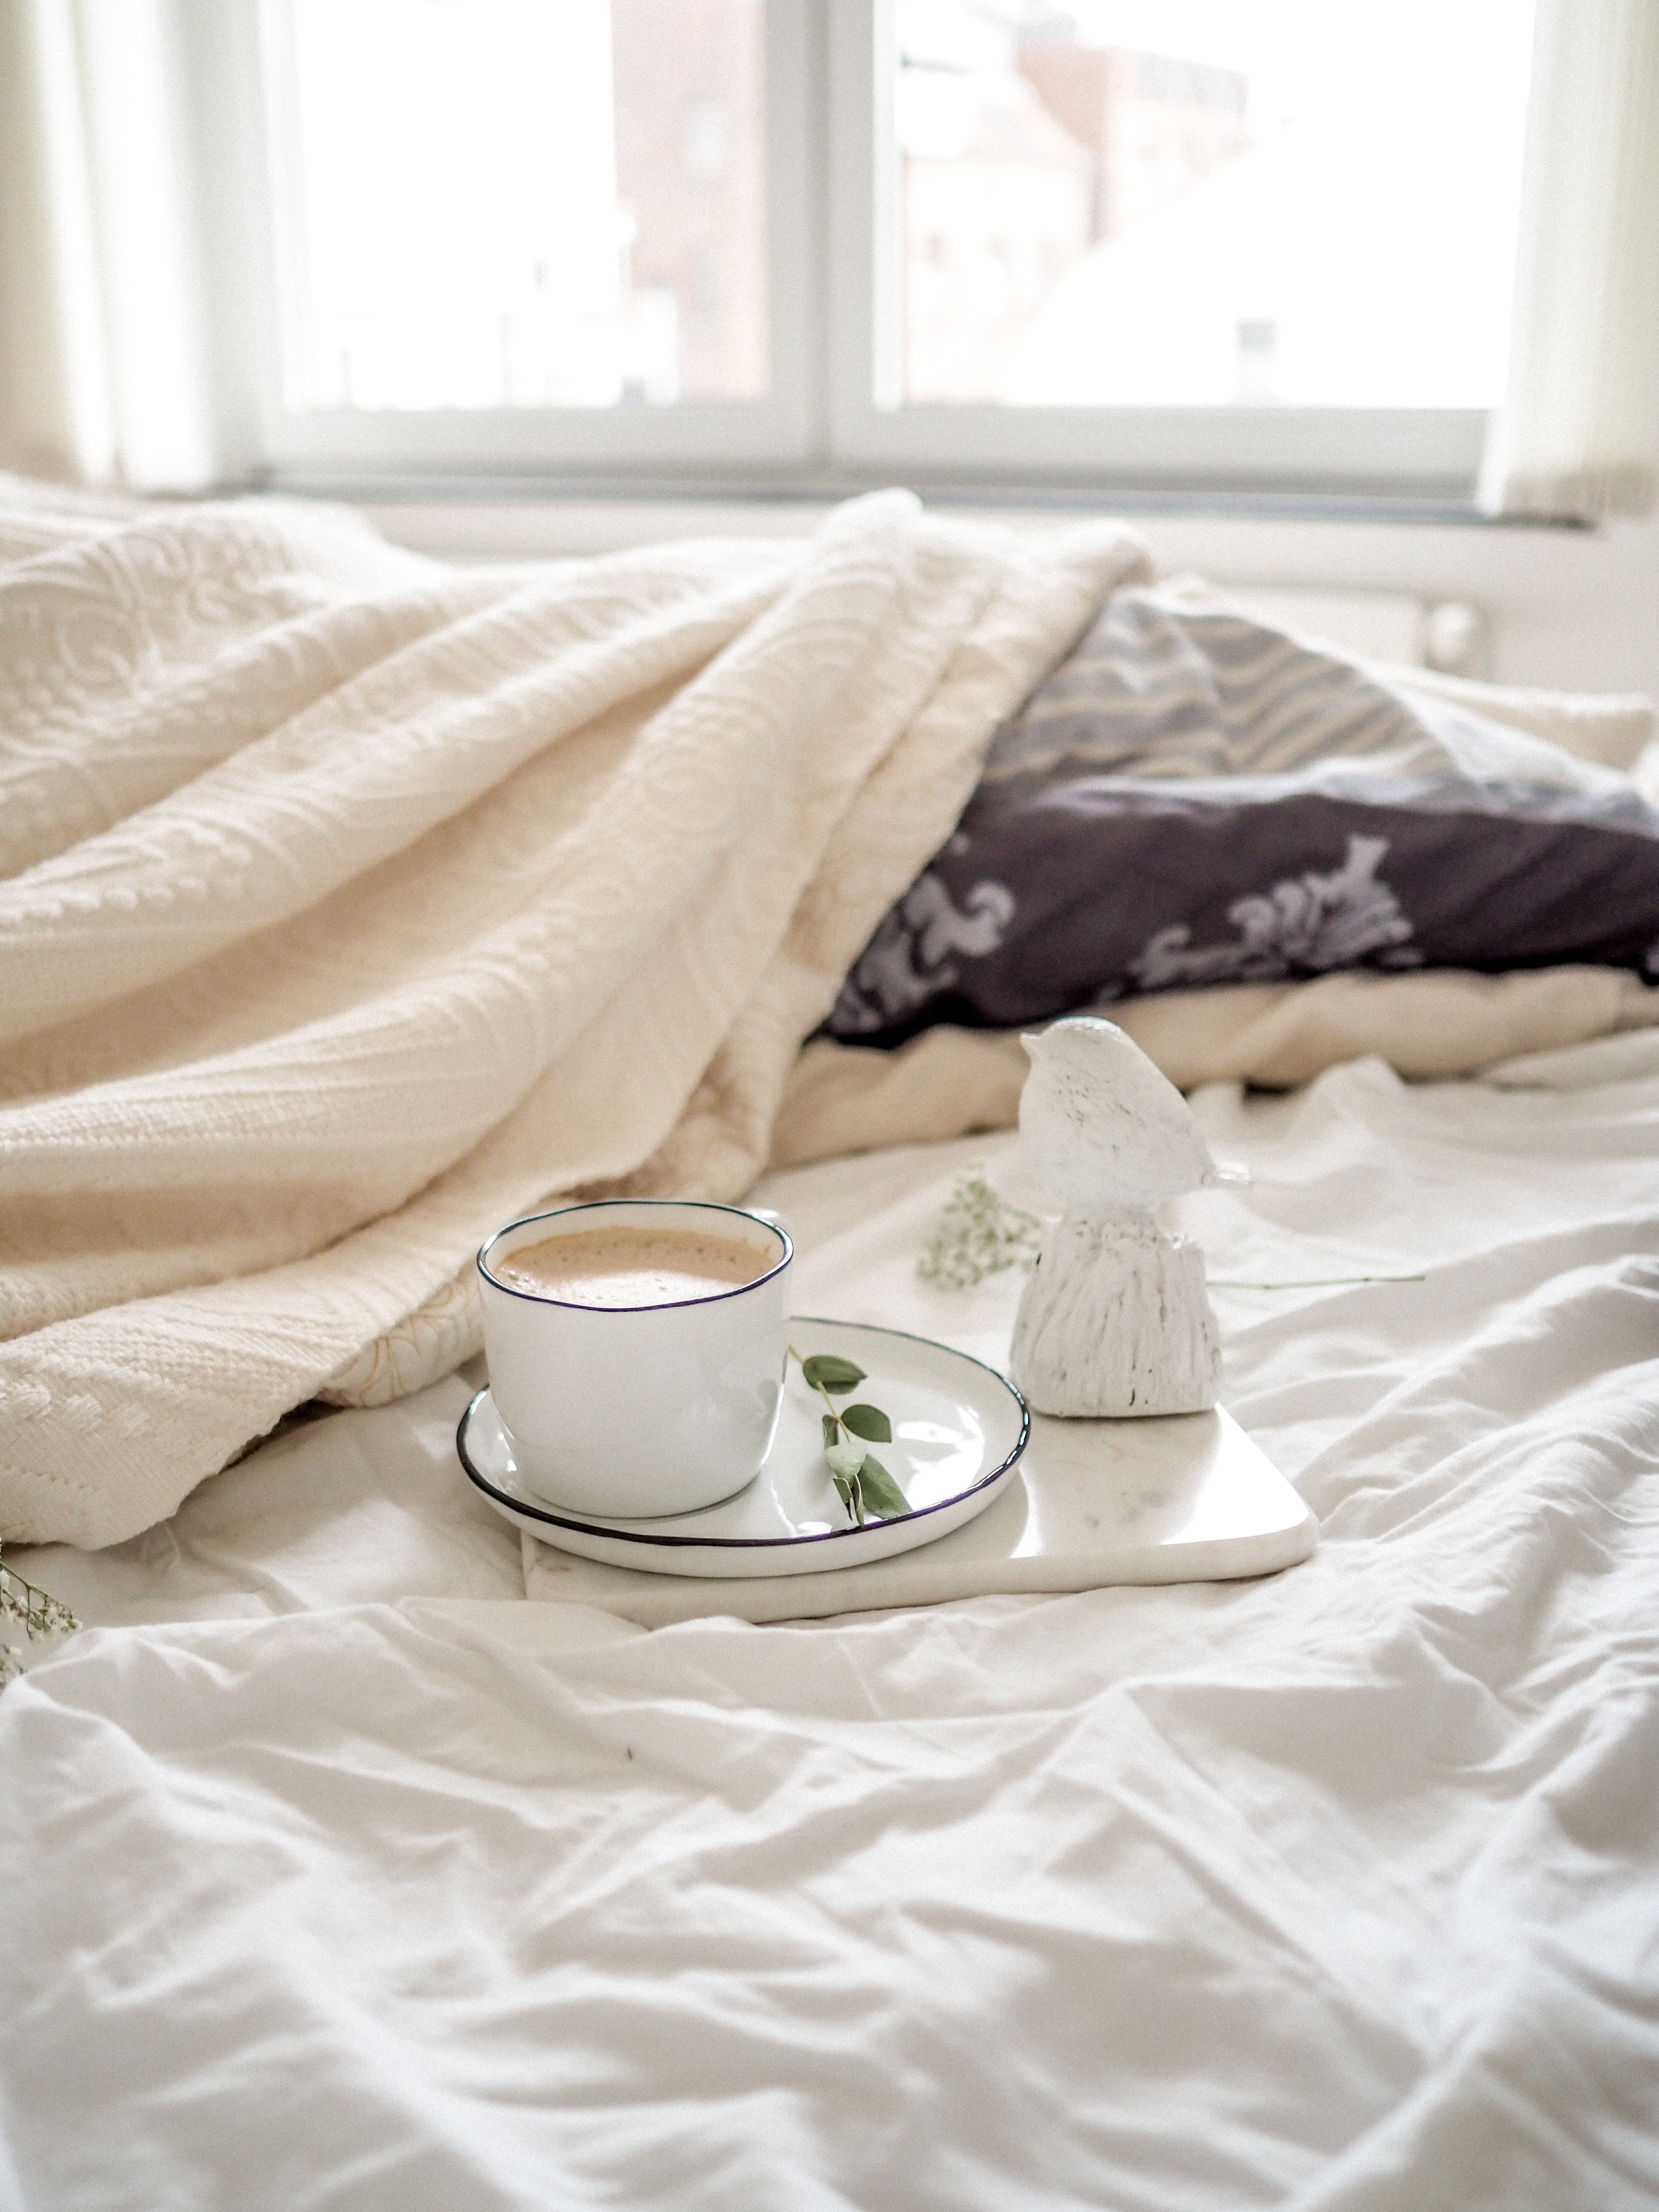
[[354, 905]]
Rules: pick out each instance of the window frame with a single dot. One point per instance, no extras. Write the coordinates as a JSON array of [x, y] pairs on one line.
[[833, 419]]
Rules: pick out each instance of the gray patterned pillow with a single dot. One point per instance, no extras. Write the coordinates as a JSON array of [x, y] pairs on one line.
[[1192, 797]]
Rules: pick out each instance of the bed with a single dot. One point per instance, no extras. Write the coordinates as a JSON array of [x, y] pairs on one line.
[[347, 1861]]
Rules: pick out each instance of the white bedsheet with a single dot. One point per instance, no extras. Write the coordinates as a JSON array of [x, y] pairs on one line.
[[341, 1878]]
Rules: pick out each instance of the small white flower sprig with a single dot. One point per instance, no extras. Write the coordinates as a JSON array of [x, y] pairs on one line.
[[862, 1483], [35, 1611], [978, 1234]]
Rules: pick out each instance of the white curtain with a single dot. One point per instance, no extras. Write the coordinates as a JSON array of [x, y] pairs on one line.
[[103, 373], [1579, 435]]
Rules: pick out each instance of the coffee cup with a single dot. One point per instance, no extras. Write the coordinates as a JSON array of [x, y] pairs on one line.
[[636, 1351]]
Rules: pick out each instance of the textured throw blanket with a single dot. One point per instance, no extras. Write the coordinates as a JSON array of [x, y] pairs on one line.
[[350, 904]]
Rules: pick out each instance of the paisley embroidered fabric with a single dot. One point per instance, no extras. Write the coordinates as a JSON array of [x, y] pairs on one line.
[[1194, 799]]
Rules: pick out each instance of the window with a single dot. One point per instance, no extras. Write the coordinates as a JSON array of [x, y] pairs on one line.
[[1133, 242]]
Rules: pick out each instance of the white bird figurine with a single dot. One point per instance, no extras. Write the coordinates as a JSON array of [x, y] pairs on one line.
[[1100, 1127], [1114, 1319]]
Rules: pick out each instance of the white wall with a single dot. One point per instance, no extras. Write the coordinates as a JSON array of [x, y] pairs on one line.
[[1573, 610]]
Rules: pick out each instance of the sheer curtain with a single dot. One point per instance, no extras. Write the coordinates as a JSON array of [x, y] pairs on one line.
[[1578, 433], [102, 361]]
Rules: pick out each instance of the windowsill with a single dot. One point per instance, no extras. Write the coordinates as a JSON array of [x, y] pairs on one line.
[[771, 499]]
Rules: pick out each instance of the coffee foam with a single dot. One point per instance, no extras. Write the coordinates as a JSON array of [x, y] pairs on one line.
[[623, 1266]]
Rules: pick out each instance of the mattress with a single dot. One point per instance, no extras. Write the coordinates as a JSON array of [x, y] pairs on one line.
[[337, 1873]]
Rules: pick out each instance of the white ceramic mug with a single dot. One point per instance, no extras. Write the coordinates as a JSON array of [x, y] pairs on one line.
[[633, 1411]]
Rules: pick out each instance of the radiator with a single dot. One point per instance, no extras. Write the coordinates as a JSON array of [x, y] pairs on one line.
[[1393, 625]]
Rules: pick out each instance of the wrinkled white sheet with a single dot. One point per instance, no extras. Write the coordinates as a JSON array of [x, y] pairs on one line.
[[345, 1880]]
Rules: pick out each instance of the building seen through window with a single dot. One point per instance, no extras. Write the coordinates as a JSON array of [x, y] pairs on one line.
[[497, 204], [1179, 202], [1132, 204]]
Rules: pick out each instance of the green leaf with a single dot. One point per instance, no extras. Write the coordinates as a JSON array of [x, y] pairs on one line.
[[831, 1430], [826, 1372], [845, 1460], [848, 1494], [868, 1421], [882, 1494]]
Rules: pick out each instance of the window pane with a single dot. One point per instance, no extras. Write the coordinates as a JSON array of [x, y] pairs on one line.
[[513, 204], [1166, 202]]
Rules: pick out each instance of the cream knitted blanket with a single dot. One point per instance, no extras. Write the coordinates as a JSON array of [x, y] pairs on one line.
[[350, 904]]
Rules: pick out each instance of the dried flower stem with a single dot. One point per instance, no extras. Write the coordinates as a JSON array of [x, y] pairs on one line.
[[35, 1611]]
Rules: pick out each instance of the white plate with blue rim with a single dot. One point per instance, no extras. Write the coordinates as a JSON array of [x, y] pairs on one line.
[[958, 1430]]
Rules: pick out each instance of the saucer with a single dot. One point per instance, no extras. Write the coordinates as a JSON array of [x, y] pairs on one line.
[[959, 1429]]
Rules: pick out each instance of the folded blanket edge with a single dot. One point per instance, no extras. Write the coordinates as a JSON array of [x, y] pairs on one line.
[[1432, 1026]]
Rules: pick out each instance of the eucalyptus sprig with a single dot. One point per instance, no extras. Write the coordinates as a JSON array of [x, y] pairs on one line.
[[862, 1483], [35, 1611]]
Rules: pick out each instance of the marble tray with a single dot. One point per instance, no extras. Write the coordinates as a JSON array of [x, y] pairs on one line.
[[1185, 1499]]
